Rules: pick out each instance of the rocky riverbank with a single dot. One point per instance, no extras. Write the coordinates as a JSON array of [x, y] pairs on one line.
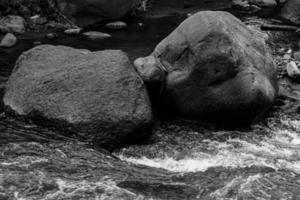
[[66, 97], [211, 68]]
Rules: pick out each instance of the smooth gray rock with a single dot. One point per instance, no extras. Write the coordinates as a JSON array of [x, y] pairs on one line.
[[95, 35], [9, 40]]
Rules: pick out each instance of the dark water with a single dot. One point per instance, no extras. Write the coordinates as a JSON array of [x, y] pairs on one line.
[[183, 160]]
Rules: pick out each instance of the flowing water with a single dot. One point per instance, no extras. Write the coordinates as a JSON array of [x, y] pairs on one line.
[[182, 160]]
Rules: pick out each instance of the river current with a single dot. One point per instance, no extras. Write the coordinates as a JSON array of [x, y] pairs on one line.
[[183, 159]]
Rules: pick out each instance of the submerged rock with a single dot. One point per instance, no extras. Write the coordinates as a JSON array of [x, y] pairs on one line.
[[9, 40], [98, 95], [95, 35], [12, 24], [116, 25], [51, 36], [217, 69], [291, 11], [73, 31]]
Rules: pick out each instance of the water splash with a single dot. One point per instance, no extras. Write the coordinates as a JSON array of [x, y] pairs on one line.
[[280, 151]]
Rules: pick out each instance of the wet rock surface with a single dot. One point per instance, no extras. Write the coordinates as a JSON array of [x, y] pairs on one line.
[[98, 94]]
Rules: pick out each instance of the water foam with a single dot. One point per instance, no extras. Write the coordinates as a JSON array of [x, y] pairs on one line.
[[103, 189], [280, 151]]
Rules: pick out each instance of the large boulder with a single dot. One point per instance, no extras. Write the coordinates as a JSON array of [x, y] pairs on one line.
[[97, 95], [291, 11], [217, 69], [86, 12]]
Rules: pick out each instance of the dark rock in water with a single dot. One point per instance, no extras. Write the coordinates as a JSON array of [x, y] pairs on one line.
[[217, 69], [86, 12], [12, 24], [99, 95], [51, 36], [291, 11]]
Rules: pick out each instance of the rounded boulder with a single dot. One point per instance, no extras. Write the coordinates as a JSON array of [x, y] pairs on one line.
[[97, 95]]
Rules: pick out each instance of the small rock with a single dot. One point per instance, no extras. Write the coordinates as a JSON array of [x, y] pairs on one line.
[[51, 36], [281, 51], [141, 26], [150, 69], [292, 70], [287, 56], [34, 17], [12, 24], [116, 25], [41, 20], [9, 40], [94, 35], [73, 31], [297, 56]]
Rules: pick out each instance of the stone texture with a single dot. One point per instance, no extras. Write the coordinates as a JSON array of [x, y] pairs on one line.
[[217, 69], [9, 40], [291, 11], [12, 24], [97, 95]]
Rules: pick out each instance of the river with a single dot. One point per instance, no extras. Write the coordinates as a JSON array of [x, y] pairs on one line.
[[183, 159]]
